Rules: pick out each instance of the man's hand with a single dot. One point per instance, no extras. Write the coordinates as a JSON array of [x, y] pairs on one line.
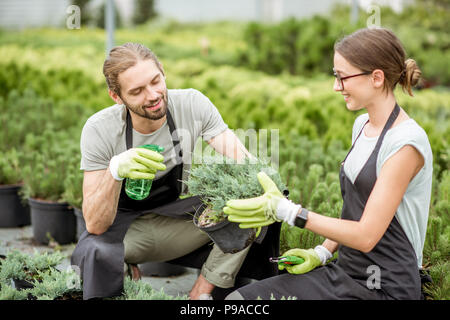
[[263, 210], [136, 163]]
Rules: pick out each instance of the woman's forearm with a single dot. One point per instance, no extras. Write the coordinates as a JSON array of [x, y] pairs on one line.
[[331, 245], [346, 232]]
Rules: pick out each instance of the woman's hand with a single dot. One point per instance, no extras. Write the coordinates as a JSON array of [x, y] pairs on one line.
[[263, 210]]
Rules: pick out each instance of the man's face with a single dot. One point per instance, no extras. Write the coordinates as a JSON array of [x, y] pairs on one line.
[[143, 90]]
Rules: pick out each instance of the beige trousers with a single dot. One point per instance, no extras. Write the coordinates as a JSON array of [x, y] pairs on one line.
[[157, 238]]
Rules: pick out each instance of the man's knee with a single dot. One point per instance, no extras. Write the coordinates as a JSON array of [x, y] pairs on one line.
[[132, 253], [93, 248], [235, 295]]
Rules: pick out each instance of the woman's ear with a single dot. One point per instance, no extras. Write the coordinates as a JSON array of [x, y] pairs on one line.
[[378, 78]]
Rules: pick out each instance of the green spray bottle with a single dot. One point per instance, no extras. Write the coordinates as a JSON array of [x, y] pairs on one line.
[[139, 189]]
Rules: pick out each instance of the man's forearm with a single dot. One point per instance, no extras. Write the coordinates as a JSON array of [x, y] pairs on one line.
[[100, 206], [228, 144]]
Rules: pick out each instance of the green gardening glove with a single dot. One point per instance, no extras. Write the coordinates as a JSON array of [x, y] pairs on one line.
[[136, 163], [259, 211], [310, 256]]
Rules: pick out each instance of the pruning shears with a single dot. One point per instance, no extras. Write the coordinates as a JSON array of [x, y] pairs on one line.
[[287, 260]]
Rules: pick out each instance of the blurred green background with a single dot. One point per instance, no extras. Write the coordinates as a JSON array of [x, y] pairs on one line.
[[259, 74]]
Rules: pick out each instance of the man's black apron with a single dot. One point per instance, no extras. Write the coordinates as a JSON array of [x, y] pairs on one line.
[[101, 257], [389, 271]]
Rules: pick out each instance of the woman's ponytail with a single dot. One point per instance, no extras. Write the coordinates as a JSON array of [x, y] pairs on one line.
[[410, 76]]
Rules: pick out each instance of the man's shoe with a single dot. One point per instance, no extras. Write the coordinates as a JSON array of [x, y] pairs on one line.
[[133, 271], [205, 296]]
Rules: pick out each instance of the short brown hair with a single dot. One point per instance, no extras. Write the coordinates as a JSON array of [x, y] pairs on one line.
[[121, 58], [378, 48]]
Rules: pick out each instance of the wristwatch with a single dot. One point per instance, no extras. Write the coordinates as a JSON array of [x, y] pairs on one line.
[[300, 219]]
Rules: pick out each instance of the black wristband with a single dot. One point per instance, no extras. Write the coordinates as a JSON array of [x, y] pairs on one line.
[[301, 218]]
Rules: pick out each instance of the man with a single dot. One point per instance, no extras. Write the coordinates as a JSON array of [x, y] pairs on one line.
[[120, 229]]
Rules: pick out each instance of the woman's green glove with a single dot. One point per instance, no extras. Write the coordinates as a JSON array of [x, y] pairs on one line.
[[312, 260], [263, 210]]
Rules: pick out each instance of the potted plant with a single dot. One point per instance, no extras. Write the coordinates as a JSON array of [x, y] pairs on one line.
[[22, 116], [73, 195], [24, 276], [14, 213], [22, 269], [216, 181], [44, 171]]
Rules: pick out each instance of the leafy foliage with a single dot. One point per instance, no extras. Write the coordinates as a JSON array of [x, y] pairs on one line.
[[73, 184], [22, 266], [144, 10], [7, 292], [218, 180], [10, 171], [139, 290], [54, 284], [50, 283]]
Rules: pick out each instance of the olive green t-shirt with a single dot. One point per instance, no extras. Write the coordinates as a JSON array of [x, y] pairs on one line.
[[194, 115]]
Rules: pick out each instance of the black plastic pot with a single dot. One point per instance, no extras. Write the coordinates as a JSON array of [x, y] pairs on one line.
[[227, 235], [160, 269], [81, 224], [13, 212], [22, 284], [53, 218]]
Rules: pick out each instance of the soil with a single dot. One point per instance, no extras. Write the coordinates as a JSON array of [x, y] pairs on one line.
[[204, 221]]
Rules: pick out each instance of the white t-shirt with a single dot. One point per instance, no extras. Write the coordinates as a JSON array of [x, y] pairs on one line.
[[194, 115], [412, 213]]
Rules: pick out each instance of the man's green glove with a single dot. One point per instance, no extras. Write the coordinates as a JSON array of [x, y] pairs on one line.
[[136, 163], [312, 260], [263, 210]]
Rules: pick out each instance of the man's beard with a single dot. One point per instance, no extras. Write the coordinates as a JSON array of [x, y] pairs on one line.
[[145, 113]]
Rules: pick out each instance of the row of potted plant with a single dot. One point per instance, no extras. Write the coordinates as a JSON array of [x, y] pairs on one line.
[[40, 276], [40, 180]]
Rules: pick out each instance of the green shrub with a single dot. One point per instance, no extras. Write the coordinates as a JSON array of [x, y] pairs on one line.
[[53, 284], [22, 266], [73, 184], [10, 167], [304, 47], [27, 113], [47, 158], [139, 290], [7, 292], [219, 179]]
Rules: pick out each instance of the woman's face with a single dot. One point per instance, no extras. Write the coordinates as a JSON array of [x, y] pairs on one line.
[[357, 91]]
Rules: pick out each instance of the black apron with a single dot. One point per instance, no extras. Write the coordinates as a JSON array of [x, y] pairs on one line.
[[347, 278], [101, 257]]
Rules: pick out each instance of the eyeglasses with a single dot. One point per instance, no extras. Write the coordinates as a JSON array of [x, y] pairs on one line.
[[340, 79]]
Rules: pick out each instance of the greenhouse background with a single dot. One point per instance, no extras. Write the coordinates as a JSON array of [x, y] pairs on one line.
[[265, 65]]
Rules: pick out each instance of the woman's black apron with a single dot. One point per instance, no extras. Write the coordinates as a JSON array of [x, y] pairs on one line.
[[389, 271], [101, 257]]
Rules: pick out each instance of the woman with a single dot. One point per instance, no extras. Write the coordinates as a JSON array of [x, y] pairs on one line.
[[385, 184]]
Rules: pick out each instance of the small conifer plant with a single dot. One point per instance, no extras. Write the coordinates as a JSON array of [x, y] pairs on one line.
[[217, 180]]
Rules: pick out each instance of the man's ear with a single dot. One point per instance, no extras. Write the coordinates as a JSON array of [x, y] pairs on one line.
[[378, 78], [115, 96]]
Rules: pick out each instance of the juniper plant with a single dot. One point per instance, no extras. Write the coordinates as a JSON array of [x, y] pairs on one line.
[[216, 181]]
